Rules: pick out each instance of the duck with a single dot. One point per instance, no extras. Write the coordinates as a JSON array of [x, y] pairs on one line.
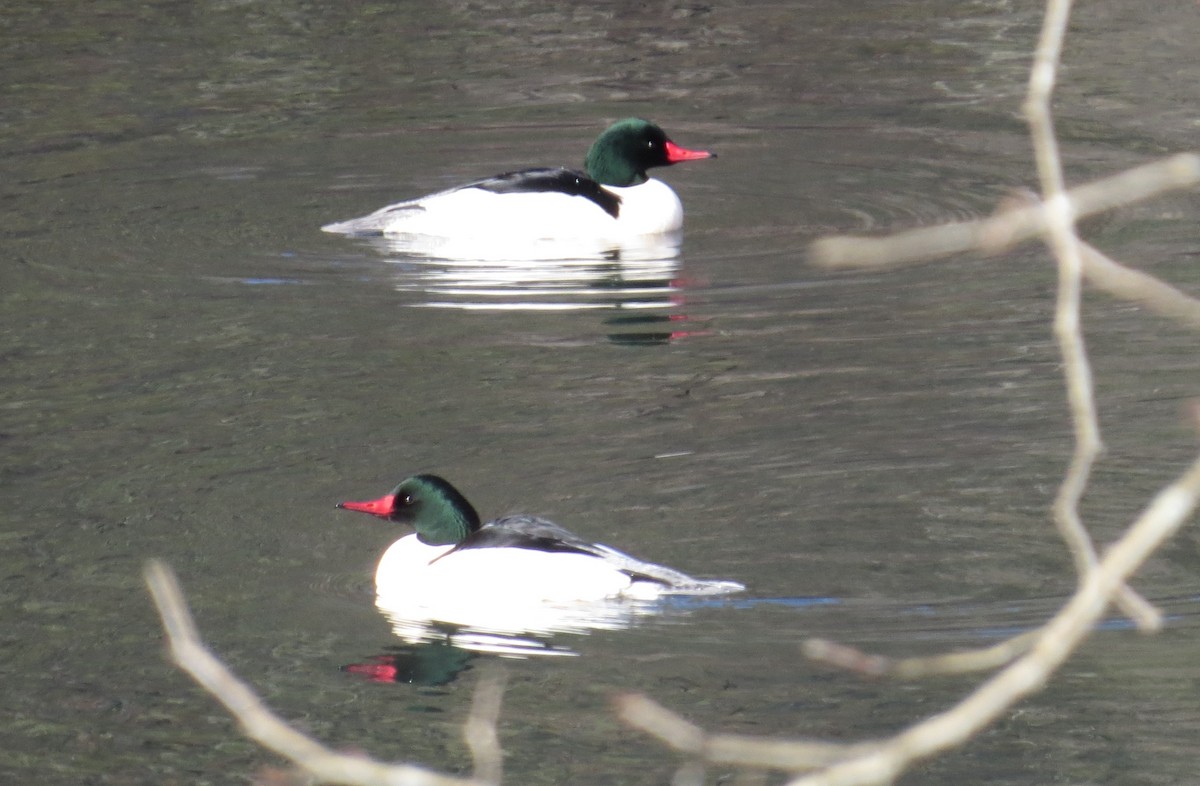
[[515, 558], [613, 199]]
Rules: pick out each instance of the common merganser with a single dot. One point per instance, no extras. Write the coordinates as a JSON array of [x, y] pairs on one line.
[[614, 199], [512, 558]]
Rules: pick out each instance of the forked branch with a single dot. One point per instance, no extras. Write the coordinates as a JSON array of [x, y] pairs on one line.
[[1032, 657], [266, 728]]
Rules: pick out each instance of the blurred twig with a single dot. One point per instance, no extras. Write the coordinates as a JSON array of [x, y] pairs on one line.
[[1168, 511], [1061, 239], [258, 722], [1028, 660], [983, 659], [882, 762], [1009, 227], [644, 713], [479, 731], [1120, 281]]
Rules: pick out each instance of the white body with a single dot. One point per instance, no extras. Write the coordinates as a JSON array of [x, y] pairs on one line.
[[562, 254], [432, 575], [651, 208], [412, 569], [493, 598]]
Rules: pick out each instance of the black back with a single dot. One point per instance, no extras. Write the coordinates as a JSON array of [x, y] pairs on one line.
[[560, 180], [538, 534], [527, 532]]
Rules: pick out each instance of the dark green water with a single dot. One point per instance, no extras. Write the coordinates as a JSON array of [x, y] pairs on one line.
[[192, 371]]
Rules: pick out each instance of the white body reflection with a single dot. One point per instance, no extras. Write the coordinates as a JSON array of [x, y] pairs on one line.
[[535, 275], [518, 629]]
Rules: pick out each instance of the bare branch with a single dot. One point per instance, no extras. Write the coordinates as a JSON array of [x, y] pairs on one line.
[[875, 763], [1077, 372], [479, 731], [984, 659], [258, 722], [1120, 281], [642, 712], [1000, 232], [1168, 511], [1033, 657]]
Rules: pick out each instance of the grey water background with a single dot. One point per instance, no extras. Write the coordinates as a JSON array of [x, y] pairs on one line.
[[192, 371]]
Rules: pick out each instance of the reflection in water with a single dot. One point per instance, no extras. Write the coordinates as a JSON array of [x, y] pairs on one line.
[[442, 638], [436, 663], [638, 278], [500, 626], [435, 652]]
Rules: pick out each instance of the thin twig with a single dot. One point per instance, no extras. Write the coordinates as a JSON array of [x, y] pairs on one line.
[[1110, 276], [1002, 231], [1167, 512], [642, 712], [479, 731], [1033, 657], [1060, 237], [1068, 332], [964, 662], [874, 763], [257, 721]]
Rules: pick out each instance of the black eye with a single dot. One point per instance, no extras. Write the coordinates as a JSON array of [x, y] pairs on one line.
[[406, 499]]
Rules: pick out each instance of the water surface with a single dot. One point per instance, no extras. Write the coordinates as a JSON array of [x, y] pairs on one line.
[[193, 371]]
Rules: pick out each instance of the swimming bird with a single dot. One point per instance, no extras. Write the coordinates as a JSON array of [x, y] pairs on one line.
[[518, 557], [613, 199]]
